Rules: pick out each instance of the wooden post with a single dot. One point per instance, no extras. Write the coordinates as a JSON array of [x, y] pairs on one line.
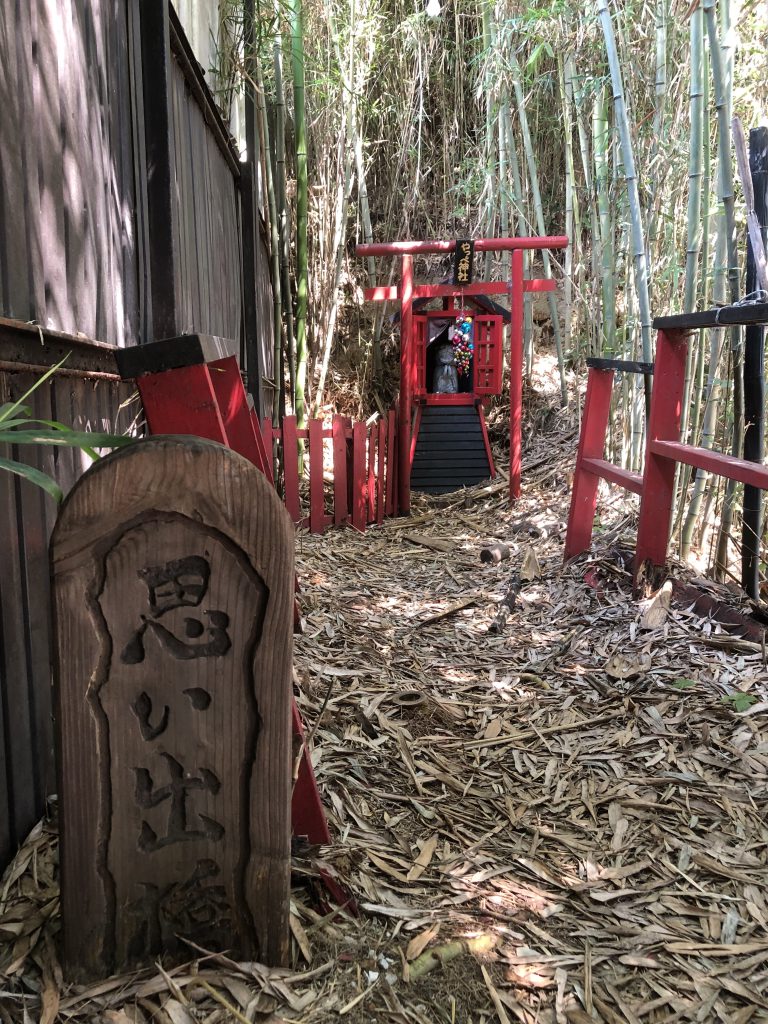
[[371, 513], [359, 489], [340, 496], [664, 425], [173, 578], [594, 425], [407, 375], [391, 463], [382, 452], [316, 496], [159, 140], [516, 309]]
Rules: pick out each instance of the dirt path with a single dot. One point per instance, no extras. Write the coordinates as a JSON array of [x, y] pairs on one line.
[[574, 792]]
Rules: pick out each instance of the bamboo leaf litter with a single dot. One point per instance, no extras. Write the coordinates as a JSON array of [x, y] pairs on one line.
[[602, 839]]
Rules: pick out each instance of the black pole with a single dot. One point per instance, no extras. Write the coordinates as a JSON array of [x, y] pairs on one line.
[[754, 382], [253, 268]]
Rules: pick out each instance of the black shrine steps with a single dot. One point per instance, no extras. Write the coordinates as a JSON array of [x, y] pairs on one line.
[[450, 450]]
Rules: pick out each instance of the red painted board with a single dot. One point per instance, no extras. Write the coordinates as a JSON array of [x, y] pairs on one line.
[[244, 437], [307, 813], [291, 468], [340, 498], [663, 425], [316, 501], [391, 462], [382, 445], [614, 474], [540, 284], [359, 488], [594, 425], [481, 245], [752, 473], [182, 401], [372, 473], [516, 300], [486, 440]]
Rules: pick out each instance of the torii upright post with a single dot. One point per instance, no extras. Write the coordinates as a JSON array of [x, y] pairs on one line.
[[406, 292]]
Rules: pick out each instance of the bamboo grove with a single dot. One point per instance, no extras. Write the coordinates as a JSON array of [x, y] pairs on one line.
[[609, 122]]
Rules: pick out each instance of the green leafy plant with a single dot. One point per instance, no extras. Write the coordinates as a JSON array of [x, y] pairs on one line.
[[684, 684], [740, 701], [18, 426]]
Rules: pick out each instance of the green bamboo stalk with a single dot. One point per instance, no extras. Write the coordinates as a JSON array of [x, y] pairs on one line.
[[522, 230], [566, 92], [711, 406], [295, 8], [283, 220], [274, 252], [694, 368], [594, 325], [365, 213], [492, 176], [721, 80], [630, 175], [601, 146], [533, 178]]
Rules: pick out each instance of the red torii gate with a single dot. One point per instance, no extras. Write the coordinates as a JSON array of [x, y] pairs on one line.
[[407, 291]]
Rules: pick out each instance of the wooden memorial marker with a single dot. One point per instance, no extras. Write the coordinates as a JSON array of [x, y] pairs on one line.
[[172, 565]]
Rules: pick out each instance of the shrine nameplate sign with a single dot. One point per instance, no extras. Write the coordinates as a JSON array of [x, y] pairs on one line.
[[172, 564]]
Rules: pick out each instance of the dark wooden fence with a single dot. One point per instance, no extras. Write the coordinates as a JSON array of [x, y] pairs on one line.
[[87, 254]]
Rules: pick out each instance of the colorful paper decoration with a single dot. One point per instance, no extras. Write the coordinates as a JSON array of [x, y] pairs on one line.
[[463, 344]]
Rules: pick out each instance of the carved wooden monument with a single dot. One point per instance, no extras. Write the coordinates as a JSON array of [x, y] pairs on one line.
[[173, 577]]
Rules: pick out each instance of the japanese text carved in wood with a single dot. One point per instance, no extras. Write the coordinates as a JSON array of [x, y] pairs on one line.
[[173, 583]]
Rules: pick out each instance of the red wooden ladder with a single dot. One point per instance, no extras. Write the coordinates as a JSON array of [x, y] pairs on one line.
[[192, 385], [591, 466]]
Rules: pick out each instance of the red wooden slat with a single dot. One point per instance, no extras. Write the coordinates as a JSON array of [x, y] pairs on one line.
[[516, 299], [414, 438], [594, 424], [614, 474], [663, 425], [340, 497], [391, 462], [182, 401], [307, 812], [752, 473], [382, 441], [372, 473], [316, 503], [540, 284], [291, 468], [244, 437], [486, 440], [407, 375], [359, 488], [449, 245]]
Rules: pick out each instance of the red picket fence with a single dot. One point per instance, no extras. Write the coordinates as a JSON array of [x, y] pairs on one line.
[[363, 461]]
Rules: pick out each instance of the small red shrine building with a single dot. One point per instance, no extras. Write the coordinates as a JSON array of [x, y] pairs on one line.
[[443, 441]]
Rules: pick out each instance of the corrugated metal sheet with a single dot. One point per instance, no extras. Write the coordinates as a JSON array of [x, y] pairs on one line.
[[208, 276], [67, 248]]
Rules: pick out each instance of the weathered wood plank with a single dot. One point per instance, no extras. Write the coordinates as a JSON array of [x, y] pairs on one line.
[[172, 564]]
